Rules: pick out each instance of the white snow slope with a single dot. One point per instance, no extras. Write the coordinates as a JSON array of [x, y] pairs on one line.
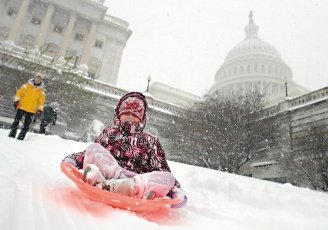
[[35, 194]]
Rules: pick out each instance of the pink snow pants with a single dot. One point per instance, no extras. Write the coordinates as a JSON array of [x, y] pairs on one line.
[[160, 182]]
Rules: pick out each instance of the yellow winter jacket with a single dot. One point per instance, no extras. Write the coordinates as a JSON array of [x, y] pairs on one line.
[[31, 98]]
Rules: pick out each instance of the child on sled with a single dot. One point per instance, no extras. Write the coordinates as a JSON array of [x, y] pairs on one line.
[[123, 159]]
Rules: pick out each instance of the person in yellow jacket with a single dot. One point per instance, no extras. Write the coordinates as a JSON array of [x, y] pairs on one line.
[[29, 101]]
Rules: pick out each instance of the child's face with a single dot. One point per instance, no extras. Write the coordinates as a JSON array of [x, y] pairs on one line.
[[129, 117], [37, 79]]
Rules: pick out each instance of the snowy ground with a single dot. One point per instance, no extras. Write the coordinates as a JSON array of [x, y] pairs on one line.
[[35, 195]]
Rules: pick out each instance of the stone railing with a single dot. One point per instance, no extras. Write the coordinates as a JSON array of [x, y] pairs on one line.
[[311, 97], [8, 47], [297, 102], [35, 56]]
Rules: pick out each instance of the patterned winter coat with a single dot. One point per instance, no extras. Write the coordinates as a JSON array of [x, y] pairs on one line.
[[133, 149], [31, 98]]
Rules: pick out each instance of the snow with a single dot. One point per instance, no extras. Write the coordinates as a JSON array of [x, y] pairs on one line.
[[35, 194]]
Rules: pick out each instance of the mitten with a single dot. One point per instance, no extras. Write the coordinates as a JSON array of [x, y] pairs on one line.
[[16, 104], [38, 113], [92, 175], [181, 195]]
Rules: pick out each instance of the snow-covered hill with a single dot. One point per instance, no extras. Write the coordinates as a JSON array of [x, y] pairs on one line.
[[36, 195]]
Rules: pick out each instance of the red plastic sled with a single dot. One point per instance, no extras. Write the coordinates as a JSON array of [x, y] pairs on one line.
[[114, 199]]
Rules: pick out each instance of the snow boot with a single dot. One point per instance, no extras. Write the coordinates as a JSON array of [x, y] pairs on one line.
[[120, 186], [124, 187], [150, 195], [92, 175], [21, 135], [12, 133]]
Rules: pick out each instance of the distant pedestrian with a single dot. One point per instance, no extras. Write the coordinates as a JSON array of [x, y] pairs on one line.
[[29, 101], [49, 116]]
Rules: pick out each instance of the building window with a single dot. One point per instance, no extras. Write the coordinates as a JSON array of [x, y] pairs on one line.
[[28, 41], [93, 64], [79, 36], [4, 31], [99, 43], [36, 21], [11, 12], [58, 29], [71, 56], [52, 49], [92, 74]]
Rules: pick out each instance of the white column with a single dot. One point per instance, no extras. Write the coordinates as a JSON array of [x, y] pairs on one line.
[[18, 20], [89, 44], [44, 28], [270, 89], [262, 87], [67, 35], [111, 63]]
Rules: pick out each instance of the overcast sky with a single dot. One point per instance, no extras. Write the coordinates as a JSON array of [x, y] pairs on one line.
[[182, 43]]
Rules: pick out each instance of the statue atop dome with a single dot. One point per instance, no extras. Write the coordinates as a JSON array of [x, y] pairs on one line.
[[251, 17], [251, 29]]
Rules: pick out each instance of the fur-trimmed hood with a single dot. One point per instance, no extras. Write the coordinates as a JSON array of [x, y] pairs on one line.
[[31, 81]]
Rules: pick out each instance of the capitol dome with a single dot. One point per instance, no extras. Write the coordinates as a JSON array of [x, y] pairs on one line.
[[251, 47], [255, 65]]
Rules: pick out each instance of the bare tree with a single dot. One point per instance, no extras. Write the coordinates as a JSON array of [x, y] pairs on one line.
[[309, 157], [221, 134]]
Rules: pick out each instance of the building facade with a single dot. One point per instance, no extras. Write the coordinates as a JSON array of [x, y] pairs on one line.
[[76, 31], [76, 36], [294, 116], [255, 65]]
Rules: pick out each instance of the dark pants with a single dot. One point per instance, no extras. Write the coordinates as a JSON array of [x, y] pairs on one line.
[[43, 126], [19, 115]]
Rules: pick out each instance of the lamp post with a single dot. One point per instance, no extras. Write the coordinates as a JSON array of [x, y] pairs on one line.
[[148, 79], [76, 58], [286, 89]]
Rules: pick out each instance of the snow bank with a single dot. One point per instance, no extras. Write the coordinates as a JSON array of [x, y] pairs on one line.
[[36, 195]]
